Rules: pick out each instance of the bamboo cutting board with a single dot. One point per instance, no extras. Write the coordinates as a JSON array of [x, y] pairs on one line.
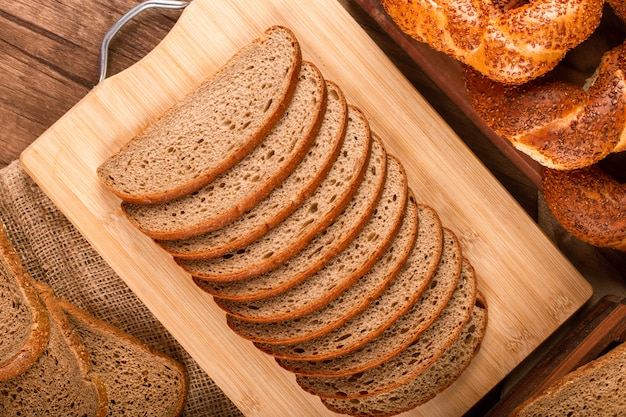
[[529, 286]]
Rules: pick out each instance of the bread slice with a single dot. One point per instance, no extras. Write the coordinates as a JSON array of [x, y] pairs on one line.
[[321, 249], [344, 269], [348, 304], [414, 359], [139, 380], [403, 332], [434, 380], [296, 231], [235, 191], [24, 323], [61, 382], [594, 389], [284, 199], [212, 128], [368, 324]]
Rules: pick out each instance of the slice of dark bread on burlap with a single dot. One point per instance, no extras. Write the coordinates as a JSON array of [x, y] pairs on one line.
[[211, 129], [348, 304], [592, 390], [24, 323], [139, 380], [411, 361], [321, 249], [61, 382], [313, 216], [284, 199], [432, 381], [404, 331], [368, 324], [343, 270], [249, 181]]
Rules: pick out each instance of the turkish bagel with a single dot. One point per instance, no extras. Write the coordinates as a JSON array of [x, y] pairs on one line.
[[589, 203], [506, 43], [559, 124], [569, 129]]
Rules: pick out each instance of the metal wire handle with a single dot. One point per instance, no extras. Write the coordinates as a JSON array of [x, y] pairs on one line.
[[149, 4]]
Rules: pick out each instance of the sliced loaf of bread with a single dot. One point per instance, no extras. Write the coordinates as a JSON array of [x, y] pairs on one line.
[[235, 191], [434, 380], [24, 323], [139, 380], [284, 199], [348, 304], [403, 332], [411, 361], [592, 390], [368, 324], [211, 129], [344, 269], [321, 249], [313, 216], [61, 382]]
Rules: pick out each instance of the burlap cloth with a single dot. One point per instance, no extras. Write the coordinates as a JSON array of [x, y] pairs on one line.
[[55, 252]]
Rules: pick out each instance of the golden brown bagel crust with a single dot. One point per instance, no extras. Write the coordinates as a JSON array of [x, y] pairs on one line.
[[589, 204], [619, 7], [508, 44], [560, 125]]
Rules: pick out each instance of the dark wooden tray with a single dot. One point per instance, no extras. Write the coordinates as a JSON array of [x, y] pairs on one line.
[[598, 331]]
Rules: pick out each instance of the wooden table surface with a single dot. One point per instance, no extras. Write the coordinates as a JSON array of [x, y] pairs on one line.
[[49, 60]]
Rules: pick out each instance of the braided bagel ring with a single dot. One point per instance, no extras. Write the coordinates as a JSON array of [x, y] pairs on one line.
[[509, 45], [619, 7], [589, 204], [560, 125]]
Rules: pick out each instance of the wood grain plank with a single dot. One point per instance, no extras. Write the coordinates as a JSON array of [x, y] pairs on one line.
[[26, 106], [50, 59]]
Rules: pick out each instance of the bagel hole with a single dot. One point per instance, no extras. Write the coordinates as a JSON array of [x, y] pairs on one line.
[[613, 165], [582, 62]]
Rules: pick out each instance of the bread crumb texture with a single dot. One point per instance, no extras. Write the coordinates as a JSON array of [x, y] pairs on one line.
[[313, 241]]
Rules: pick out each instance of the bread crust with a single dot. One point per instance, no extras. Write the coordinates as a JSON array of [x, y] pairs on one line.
[[82, 355], [402, 332], [329, 282], [114, 332], [413, 359], [225, 162], [428, 384], [591, 375], [248, 228], [558, 124], [589, 204], [246, 183], [37, 340], [209, 269], [353, 301], [318, 252]]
